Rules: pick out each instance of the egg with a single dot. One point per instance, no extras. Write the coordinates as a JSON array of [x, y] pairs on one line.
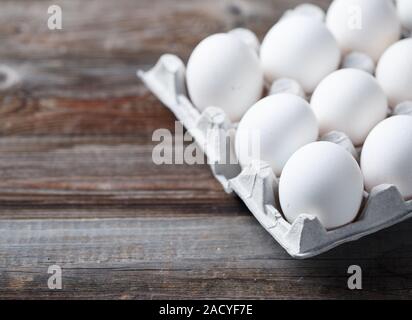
[[394, 72], [350, 101], [224, 72], [368, 26], [300, 48], [324, 180], [405, 13], [273, 129], [386, 155]]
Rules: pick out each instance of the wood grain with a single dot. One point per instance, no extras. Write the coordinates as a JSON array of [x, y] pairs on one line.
[[78, 187]]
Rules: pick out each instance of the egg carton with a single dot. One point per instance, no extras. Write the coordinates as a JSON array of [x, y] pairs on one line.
[[256, 184]]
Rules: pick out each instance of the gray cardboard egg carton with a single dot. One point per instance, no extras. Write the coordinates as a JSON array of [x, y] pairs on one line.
[[257, 185]]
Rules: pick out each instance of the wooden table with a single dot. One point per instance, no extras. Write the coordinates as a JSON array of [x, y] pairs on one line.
[[78, 187]]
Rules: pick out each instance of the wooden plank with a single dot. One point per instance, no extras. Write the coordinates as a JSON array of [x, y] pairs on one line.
[[105, 173], [196, 256]]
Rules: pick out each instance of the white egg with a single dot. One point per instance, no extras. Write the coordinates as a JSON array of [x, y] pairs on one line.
[[405, 13], [350, 101], [386, 155], [324, 180], [224, 72], [300, 48], [368, 26], [394, 72], [273, 129]]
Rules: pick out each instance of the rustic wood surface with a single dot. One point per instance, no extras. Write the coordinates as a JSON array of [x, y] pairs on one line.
[[78, 187]]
